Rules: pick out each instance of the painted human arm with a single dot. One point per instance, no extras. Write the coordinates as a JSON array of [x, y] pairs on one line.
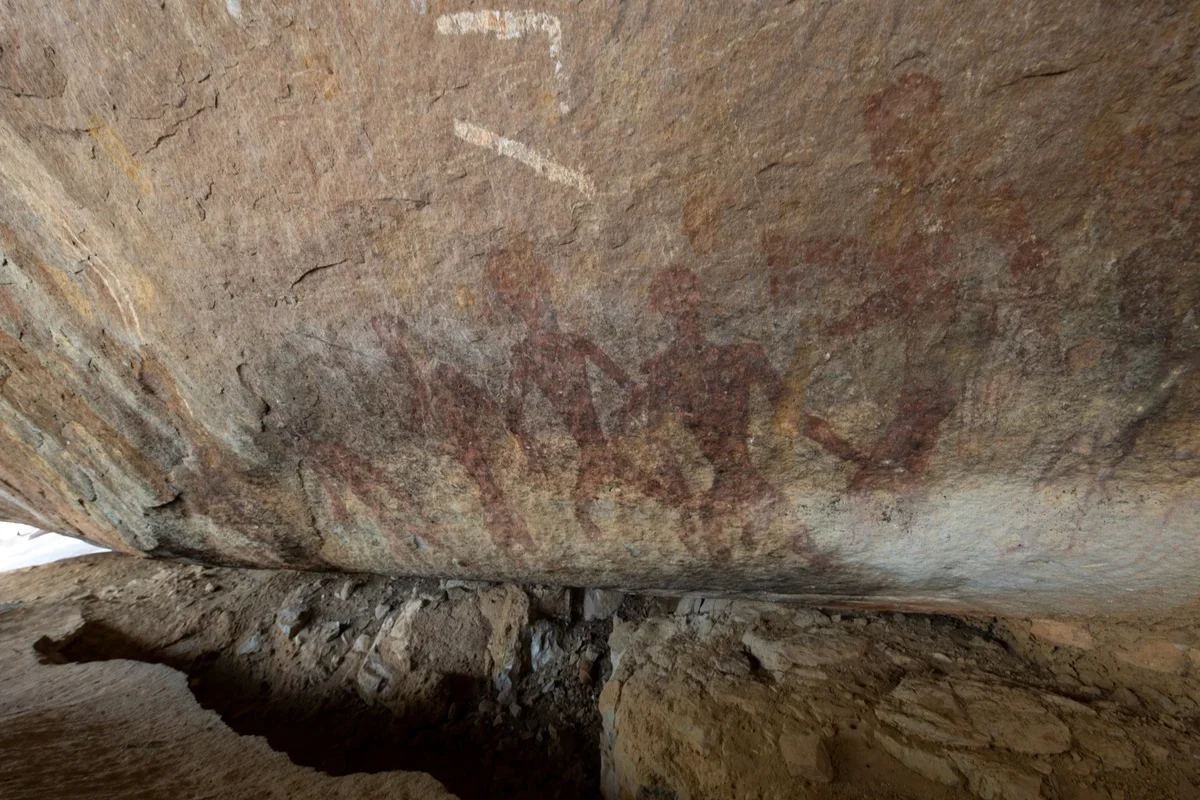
[[759, 369], [602, 360], [1008, 223], [877, 308], [393, 335], [519, 380], [518, 385]]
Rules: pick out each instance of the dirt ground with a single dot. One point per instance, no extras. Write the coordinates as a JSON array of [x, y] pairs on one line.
[[543, 692]]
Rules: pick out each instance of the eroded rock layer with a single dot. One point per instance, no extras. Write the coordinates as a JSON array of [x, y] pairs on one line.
[[546, 693], [894, 302]]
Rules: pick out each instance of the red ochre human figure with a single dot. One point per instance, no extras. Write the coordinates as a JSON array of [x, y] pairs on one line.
[[337, 466], [918, 231], [555, 363], [709, 387], [462, 413]]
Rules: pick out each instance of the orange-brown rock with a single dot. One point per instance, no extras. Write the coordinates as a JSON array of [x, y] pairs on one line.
[[895, 305]]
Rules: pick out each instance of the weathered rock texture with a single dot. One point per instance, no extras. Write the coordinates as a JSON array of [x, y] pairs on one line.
[[490, 689], [500, 691], [893, 301], [123, 729], [747, 699]]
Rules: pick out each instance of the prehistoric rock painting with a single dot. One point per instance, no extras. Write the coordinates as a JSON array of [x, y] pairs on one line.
[[339, 468], [555, 363], [1146, 186], [708, 386], [461, 413], [909, 271]]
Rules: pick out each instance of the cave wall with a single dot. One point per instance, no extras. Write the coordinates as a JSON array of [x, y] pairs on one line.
[[888, 301]]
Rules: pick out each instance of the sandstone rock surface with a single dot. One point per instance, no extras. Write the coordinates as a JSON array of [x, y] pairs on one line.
[[123, 729], [799, 298], [931, 708], [126, 704], [458, 674]]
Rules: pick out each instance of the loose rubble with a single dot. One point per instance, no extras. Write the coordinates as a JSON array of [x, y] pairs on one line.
[[654, 697], [742, 699]]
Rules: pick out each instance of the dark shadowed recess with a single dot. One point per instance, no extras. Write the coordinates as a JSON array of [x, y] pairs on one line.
[[340, 734]]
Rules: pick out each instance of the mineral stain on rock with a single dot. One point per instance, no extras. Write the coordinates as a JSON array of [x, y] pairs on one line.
[[928, 331]]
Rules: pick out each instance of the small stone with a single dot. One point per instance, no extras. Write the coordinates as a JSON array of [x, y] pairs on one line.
[[1156, 752], [543, 645], [372, 676], [714, 606], [1013, 718], [991, 780], [802, 650], [972, 714], [899, 659], [471, 586], [210, 587], [514, 708], [927, 765], [362, 644], [293, 619], [1062, 634], [1113, 749], [331, 630], [689, 605], [382, 610], [1127, 699], [599, 604], [806, 757], [345, 590], [929, 710], [809, 618], [1157, 655], [251, 645], [1068, 705]]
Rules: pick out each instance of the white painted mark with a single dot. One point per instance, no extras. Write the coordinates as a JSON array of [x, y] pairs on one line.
[[543, 166], [234, 7], [513, 25], [101, 268]]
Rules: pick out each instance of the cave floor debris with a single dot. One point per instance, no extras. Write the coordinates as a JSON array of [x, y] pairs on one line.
[[372, 686]]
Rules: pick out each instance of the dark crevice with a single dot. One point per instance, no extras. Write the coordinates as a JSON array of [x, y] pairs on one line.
[[313, 270], [339, 733]]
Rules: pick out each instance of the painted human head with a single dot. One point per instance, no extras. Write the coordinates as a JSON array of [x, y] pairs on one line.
[[902, 123], [520, 281], [675, 293]]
